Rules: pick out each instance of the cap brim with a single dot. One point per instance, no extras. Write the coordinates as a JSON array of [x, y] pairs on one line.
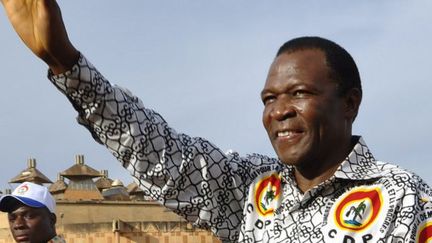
[[8, 201]]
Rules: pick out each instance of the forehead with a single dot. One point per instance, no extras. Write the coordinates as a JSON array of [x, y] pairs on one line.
[[307, 64]]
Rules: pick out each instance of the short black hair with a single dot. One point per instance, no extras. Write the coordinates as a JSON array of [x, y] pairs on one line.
[[343, 68]]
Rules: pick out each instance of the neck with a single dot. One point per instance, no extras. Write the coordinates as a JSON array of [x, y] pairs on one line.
[[51, 236], [307, 180], [319, 170]]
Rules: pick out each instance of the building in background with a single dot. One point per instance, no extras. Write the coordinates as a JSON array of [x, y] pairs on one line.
[[92, 208], [31, 174]]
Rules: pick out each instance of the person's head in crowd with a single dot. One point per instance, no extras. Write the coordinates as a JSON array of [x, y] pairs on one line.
[[31, 213]]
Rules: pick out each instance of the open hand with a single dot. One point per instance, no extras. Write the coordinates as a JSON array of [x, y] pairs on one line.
[[40, 25]]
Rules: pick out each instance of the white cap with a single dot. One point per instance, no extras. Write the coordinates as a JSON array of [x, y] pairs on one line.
[[30, 194]]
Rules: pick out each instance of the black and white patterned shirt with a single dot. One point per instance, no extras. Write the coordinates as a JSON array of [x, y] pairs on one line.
[[253, 198]]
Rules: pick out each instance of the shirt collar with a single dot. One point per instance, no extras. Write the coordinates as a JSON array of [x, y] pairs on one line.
[[57, 239], [360, 164]]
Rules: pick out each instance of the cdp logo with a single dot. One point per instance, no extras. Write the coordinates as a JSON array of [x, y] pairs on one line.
[[266, 194], [358, 209], [22, 189]]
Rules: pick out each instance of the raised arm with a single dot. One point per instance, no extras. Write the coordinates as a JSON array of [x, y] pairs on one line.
[[187, 174], [40, 25]]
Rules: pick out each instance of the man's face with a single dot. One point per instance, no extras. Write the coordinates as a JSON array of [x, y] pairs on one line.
[[32, 225], [304, 115]]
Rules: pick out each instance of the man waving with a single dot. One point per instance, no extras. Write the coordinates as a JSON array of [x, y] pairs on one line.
[[325, 185]]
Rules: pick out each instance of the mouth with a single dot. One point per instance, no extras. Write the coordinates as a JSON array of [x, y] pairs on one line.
[[289, 133], [21, 238]]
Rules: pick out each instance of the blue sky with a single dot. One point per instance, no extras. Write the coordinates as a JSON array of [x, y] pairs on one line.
[[202, 65]]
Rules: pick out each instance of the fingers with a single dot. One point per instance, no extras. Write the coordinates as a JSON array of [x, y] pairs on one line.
[[4, 2], [12, 6]]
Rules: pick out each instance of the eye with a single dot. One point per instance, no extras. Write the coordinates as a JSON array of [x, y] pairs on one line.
[[11, 217], [30, 215], [300, 93], [268, 99]]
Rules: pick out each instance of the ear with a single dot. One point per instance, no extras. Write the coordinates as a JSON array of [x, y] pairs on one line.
[[353, 99], [53, 219]]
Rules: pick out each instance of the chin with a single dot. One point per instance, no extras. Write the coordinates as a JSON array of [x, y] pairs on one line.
[[293, 159], [293, 154], [289, 160]]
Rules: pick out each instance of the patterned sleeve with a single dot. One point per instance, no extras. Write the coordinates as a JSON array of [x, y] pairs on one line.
[[188, 175], [413, 212]]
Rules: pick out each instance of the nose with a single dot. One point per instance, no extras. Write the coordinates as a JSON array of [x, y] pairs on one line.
[[19, 223], [283, 109]]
